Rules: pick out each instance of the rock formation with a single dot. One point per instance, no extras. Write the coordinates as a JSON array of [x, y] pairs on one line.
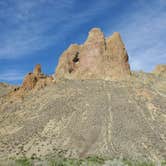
[[36, 79], [75, 118], [97, 58], [29, 82], [33, 81], [160, 70], [37, 70]]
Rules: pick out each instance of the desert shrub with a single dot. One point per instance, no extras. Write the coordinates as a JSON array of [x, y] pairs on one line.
[[125, 162], [95, 159], [59, 161], [89, 161], [23, 162]]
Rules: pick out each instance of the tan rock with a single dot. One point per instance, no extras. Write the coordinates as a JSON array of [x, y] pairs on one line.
[[160, 69], [116, 57], [30, 81], [41, 83], [36, 80], [97, 58], [37, 70], [66, 65]]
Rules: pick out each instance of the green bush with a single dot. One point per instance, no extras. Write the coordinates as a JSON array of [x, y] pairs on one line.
[[23, 162]]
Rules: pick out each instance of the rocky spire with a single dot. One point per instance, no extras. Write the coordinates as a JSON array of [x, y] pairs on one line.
[[95, 36], [32, 81], [37, 70], [97, 58]]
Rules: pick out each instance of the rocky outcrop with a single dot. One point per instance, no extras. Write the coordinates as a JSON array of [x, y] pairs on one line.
[[36, 79], [160, 70], [33, 81], [37, 70], [29, 82], [97, 58]]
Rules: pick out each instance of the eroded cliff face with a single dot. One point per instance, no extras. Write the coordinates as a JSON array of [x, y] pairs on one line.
[[33, 81], [97, 58], [36, 79]]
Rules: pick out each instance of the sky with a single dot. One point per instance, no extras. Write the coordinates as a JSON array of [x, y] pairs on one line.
[[38, 31]]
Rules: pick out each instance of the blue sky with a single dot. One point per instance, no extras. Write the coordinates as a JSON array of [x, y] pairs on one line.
[[38, 31]]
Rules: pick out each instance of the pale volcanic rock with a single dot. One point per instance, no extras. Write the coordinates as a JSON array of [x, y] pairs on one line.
[[66, 65], [97, 58], [43, 82], [29, 82], [116, 57], [160, 70], [6, 88], [90, 65], [37, 69], [35, 80]]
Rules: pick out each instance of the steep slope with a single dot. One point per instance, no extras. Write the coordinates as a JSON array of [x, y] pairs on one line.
[[91, 117], [5, 88], [160, 70], [93, 105]]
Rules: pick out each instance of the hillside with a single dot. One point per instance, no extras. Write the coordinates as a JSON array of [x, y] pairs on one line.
[[93, 105], [5, 88], [90, 117]]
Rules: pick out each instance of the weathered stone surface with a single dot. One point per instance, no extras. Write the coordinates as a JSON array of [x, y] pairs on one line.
[[30, 81], [6, 88], [160, 70], [36, 79], [97, 58], [37, 69], [78, 118], [43, 82], [33, 81]]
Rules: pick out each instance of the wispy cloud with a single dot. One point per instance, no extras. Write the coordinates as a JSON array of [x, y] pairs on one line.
[[35, 25], [11, 75], [144, 33], [26, 27]]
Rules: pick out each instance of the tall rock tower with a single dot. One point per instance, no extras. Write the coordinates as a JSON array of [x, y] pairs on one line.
[[97, 58]]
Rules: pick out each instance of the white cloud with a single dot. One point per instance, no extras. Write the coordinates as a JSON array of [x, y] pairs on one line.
[[144, 34], [32, 24], [11, 75]]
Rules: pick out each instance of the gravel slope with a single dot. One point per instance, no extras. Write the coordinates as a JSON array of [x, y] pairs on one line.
[[91, 117]]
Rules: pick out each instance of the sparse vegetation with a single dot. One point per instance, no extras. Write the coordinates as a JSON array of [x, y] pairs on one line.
[[23, 162], [89, 161], [74, 117]]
